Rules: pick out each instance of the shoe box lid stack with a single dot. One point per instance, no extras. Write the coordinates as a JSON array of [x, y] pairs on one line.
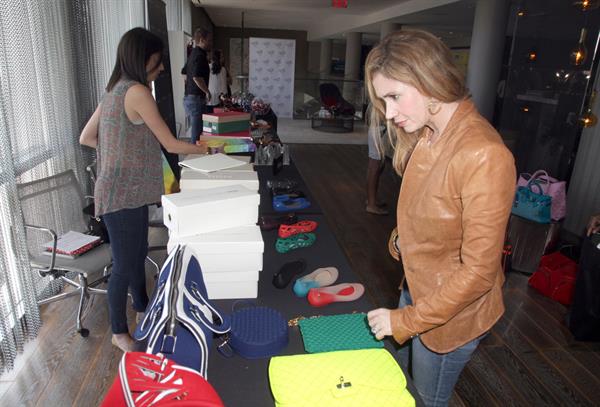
[[215, 214]]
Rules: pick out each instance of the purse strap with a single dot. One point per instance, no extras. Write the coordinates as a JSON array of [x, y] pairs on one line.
[[530, 186], [538, 177], [538, 173], [224, 348]]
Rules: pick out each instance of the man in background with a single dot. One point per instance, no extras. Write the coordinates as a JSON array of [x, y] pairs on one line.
[[197, 73]]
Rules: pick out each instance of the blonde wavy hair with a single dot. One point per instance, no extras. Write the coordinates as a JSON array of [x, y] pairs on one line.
[[419, 59]]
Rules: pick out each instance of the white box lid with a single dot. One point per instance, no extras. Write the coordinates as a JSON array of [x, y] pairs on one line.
[[220, 175], [241, 239], [210, 197]]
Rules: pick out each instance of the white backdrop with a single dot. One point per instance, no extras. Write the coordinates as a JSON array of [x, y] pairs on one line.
[[271, 73]]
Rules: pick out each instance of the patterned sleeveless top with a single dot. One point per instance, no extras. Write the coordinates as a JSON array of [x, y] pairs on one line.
[[129, 161]]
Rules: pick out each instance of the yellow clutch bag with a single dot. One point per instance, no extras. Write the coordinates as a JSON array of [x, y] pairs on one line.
[[351, 378]]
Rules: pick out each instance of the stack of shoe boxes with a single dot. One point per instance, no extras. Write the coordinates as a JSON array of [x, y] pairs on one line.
[[230, 129], [216, 218], [231, 124]]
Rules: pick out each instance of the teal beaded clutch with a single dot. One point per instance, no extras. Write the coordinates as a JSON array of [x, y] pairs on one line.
[[337, 332]]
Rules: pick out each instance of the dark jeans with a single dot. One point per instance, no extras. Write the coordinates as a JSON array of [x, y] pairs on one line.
[[195, 106], [128, 232]]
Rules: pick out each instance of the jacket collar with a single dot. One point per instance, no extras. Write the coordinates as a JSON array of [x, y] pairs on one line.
[[465, 107]]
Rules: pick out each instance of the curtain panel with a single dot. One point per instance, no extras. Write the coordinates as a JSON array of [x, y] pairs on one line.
[[55, 59]]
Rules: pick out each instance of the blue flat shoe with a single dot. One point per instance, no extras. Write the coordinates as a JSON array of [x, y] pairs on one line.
[[285, 203], [321, 277]]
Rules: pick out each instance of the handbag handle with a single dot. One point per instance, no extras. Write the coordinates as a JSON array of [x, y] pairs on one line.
[[536, 178], [538, 173], [535, 184], [197, 299]]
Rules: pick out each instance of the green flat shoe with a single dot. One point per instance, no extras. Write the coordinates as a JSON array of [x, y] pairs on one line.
[[295, 242]]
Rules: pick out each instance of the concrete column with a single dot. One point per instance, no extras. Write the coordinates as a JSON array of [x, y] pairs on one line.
[[325, 61], [352, 65], [485, 56], [388, 27]]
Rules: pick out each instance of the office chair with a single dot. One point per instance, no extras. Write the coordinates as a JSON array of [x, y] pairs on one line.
[[52, 206]]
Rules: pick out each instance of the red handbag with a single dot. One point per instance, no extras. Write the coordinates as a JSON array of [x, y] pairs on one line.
[[555, 277], [153, 380]]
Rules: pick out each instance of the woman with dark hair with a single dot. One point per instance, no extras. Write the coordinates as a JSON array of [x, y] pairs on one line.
[[127, 130], [217, 83], [458, 184]]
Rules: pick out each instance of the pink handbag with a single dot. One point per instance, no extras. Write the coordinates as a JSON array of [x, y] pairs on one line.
[[550, 186]]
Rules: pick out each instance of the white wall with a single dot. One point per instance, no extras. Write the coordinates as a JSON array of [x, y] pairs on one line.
[[177, 55]]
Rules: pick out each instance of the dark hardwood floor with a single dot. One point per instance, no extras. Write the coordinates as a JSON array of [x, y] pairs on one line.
[[529, 359]]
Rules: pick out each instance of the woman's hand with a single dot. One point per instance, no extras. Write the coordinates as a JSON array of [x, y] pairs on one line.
[[593, 225], [203, 145], [380, 323]]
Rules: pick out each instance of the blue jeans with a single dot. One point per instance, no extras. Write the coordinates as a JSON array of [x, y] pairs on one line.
[[434, 374], [194, 106], [128, 233]]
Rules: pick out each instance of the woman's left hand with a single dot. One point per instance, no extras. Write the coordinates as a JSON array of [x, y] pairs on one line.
[[380, 323]]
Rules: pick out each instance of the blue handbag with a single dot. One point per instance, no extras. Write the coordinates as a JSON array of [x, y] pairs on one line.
[[532, 205], [256, 332], [179, 320]]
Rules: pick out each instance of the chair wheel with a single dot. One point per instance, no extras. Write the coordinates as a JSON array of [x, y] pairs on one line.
[[84, 332]]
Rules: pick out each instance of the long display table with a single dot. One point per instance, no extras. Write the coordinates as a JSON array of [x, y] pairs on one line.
[[245, 383]]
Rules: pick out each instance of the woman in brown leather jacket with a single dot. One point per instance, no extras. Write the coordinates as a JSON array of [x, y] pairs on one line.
[[458, 183]]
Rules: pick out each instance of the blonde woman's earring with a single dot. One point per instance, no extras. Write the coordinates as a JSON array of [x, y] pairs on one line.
[[434, 107]]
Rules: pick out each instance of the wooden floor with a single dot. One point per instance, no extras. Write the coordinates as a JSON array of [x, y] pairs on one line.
[[530, 359]]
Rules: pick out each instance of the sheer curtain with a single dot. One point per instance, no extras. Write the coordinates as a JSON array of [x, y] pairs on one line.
[[55, 59]]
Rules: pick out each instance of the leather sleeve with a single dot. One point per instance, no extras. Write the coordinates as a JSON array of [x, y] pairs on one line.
[[487, 175]]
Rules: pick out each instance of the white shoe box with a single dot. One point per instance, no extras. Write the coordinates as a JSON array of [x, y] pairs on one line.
[[227, 284], [202, 211], [195, 180], [231, 277], [232, 290], [228, 251]]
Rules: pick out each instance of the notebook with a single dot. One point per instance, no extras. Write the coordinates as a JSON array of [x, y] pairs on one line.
[[72, 244]]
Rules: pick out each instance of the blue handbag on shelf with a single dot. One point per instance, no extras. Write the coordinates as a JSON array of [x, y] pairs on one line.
[[532, 205], [179, 320]]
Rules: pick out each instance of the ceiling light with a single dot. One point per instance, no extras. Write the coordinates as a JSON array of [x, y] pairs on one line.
[[586, 5]]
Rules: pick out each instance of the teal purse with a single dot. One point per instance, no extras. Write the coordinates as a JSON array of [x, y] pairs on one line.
[[337, 332], [532, 205]]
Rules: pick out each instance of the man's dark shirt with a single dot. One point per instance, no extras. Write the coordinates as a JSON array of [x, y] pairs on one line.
[[196, 66]]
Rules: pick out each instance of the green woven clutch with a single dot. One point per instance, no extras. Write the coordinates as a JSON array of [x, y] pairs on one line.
[[337, 332]]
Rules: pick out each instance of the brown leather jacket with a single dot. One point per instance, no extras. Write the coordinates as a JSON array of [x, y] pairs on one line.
[[453, 208]]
